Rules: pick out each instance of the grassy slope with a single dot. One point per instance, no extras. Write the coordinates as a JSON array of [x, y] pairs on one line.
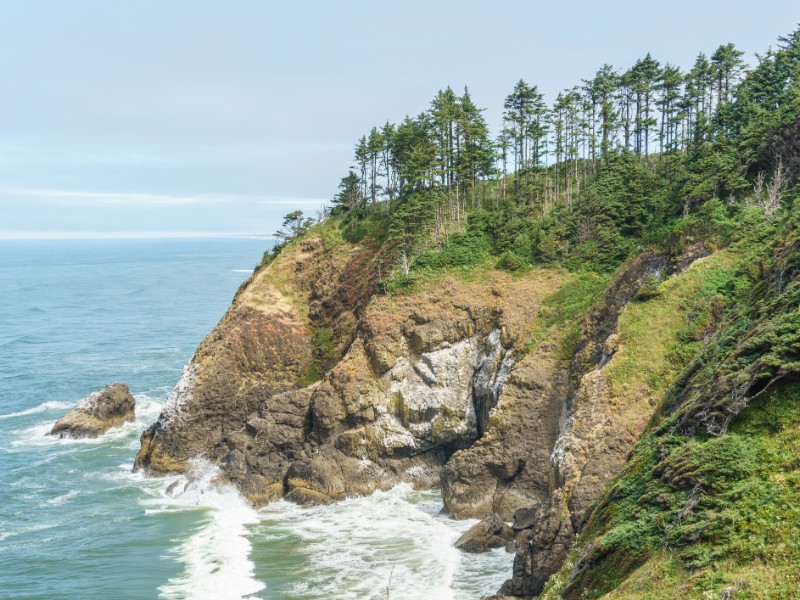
[[743, 533], [659, 334], [700, 516]]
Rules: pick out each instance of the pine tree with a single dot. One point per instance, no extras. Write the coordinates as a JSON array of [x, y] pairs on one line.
[[604, 85], [670, 84], [349, 195]]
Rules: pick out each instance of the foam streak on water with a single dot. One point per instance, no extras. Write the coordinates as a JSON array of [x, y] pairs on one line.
[[44, 406]]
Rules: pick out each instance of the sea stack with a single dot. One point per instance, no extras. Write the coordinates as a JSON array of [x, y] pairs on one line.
[[97, 413]]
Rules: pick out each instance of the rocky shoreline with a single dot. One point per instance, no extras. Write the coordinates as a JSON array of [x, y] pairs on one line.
[[435, 388]]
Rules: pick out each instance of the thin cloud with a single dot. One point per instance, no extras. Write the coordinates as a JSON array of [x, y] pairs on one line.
[[78, 198], [114, 199]]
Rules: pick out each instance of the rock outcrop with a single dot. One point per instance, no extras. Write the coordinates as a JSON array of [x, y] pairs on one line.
[[97, 413], [420, 381], [261, 350], [313, 388], [417, 378]]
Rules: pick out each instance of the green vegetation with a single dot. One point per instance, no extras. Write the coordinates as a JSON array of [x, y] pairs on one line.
[[323, 354], [717, 510], [562, 311], [709, 499], [625, 160], [647, 156], [707, 504]]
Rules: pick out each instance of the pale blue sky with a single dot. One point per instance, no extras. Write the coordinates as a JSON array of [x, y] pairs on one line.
[[201, 116]]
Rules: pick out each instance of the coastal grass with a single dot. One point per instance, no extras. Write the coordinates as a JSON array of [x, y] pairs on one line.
[[322, 355], [664, 328], [562, 312], [715, 514]]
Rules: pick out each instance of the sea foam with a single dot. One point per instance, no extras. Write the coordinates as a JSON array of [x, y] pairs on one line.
[[43, 407], [216, 556], [394, 544]]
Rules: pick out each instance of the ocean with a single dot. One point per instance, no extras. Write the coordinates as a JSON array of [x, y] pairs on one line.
[[75, 522]]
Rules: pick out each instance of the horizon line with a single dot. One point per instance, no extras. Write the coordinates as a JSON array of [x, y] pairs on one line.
[[126, 235]]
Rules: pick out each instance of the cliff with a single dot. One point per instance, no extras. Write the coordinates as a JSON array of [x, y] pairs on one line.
[[414, 379], [527, 397]]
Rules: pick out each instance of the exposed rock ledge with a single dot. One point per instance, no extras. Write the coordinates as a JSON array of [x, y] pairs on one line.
[[419, 380], [97, 413]]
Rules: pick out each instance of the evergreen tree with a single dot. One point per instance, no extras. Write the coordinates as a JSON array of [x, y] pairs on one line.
[[604, 85], [349, 196], [294, 224]]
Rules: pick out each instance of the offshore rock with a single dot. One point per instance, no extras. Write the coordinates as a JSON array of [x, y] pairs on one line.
[[97, 413]]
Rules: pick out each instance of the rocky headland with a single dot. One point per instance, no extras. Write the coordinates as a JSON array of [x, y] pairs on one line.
[[314, 387]]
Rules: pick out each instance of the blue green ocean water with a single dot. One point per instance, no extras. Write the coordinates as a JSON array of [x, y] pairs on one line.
[[75, 522]]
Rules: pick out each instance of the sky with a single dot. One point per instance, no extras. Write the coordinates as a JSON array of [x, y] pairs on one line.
[[196, 117]]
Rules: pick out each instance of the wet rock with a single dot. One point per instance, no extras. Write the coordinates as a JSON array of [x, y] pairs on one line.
[[540, 551], [491, 532], [524, 518], [97, 413]]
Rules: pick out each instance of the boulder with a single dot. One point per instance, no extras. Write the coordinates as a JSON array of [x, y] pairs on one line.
[[97, 413], [491, 532]]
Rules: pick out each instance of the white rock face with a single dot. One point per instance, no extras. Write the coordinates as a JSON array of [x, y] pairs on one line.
[[586, 422], [442, 396], [91, 402], [179, 397]]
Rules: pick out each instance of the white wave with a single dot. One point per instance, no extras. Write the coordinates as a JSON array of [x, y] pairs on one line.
[[216, 557], [44, 406], [242, 270], [394, 543], [38, 436], [147, 408], [59, 500], [4, 535]]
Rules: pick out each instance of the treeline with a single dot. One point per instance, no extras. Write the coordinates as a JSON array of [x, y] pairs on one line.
[[430, 164], [625, 148]]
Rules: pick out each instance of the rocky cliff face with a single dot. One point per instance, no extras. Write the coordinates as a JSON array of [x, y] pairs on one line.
[[262, 348], [608, 402], [419, 377], [436, 387]]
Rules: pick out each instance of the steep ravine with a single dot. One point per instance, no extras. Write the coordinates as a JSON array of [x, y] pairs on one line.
[[619, 368], [439, 386]]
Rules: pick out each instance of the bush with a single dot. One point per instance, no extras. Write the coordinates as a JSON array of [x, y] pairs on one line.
[[649, 288], [461, 250], [511, 262]]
